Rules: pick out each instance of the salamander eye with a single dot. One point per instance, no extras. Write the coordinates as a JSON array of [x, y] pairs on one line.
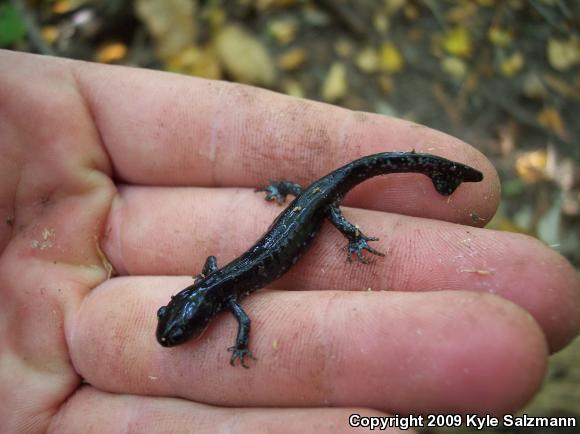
[[161, 311]]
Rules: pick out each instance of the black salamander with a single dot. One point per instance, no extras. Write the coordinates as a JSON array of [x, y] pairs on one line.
[[216, 289]]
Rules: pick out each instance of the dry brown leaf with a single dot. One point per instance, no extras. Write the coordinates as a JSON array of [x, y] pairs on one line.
[[550, 118], [197, 61], [170, 22], [458, 42], [390, 58], [244, 56], [111, 52], [564, 54], [292, 59], [531, 166], [511, 65], [335, 85], [283, 31], [454, 67], [367, 60]]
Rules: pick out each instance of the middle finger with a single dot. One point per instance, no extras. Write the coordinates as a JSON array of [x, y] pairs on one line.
[[171, 231]]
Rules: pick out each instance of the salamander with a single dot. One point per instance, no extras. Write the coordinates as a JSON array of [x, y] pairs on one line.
[[190, 311]]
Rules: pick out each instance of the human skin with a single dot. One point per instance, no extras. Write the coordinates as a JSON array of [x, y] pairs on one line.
[[151, 172]]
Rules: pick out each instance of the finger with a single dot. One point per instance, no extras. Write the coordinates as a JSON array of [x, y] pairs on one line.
[[164, 129], [397, 352], [93, 411], [167, 231]]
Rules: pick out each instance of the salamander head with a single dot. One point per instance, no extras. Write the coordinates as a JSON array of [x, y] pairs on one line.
[[185, 317]]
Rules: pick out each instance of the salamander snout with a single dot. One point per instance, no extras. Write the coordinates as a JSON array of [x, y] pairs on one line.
[[169, 331], [171, 339]]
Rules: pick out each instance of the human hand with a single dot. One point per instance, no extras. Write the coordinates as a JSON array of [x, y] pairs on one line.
[[159, 170]]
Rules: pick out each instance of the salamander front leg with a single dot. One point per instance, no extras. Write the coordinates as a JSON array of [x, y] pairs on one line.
[[357, 241], [209, 267], [279, 190], [240, 349]]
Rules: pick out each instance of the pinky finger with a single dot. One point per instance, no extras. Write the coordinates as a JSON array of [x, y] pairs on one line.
[[92, 411]]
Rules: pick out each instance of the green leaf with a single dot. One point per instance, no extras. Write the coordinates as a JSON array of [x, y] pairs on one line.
[[12, 28]]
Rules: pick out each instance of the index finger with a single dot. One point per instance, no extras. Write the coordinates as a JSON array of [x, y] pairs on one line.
[[166, 129]]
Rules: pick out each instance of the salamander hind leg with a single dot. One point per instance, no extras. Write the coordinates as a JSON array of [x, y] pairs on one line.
[[279, 190], [357, 241], [240, 349], [209, 267]]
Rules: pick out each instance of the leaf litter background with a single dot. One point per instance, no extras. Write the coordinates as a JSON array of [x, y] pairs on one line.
[[502, 75]]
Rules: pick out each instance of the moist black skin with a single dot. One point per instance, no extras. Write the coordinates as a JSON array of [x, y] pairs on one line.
[[216, 289]]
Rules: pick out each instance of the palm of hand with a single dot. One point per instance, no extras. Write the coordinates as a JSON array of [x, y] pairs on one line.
[[95, 162]]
